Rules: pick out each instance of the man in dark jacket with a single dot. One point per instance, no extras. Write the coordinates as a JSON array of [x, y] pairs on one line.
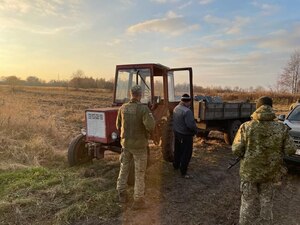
[[261, 144], [184, 128]]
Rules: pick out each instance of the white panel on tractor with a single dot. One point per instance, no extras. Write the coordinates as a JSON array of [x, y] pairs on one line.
[[95, 124]]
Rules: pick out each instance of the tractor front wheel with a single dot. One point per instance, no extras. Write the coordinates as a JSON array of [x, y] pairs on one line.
[[78, 152]]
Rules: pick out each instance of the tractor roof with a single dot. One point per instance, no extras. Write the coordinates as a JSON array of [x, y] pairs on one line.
[[143, 65]]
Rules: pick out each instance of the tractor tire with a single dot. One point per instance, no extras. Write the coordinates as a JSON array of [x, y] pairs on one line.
[[232, 130], [168, 140], [78, 152]]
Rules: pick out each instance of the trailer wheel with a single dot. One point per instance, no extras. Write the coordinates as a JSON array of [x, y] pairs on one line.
[[232, 130], [168, 140], [78, 152], [203, 134]]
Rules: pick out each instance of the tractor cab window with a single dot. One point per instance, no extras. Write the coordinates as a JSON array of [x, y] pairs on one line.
[[158, 89], [127, 78], [178, 84]]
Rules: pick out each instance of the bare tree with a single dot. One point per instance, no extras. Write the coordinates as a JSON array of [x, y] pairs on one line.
[[78, 74], [77, 78], [290, 76], [33, 81]]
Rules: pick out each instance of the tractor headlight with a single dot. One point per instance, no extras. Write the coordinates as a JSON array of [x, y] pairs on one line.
[[114, 136]]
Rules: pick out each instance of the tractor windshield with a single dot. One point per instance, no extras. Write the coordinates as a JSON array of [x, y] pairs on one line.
[[127, 78]]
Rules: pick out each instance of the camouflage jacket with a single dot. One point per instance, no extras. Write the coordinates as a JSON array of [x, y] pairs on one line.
[[134, 121], [261, 143]]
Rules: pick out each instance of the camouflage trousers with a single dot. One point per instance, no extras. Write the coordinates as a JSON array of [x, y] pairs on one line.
[[140, 163], [256, 203]]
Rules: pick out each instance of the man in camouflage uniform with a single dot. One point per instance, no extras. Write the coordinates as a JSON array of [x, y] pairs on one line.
[[261, 144], [134, 121]]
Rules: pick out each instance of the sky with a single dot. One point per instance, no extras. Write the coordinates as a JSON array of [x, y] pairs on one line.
[[228, 43]]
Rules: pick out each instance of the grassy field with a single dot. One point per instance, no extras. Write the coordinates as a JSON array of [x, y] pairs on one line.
[[36, 184]]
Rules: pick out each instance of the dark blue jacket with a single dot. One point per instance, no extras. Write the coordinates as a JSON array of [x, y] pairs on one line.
[[183, 120]]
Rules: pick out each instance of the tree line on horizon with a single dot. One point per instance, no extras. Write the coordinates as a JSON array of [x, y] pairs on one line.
[[84, 82], [288, 81], [78, 80]]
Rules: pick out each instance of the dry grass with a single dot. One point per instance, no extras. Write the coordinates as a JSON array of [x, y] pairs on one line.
[[38, 123], [37, 186]]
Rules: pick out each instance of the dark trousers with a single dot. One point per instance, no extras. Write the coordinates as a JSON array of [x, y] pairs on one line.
[[182, 152]]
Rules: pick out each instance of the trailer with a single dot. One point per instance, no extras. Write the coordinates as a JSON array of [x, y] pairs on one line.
[[221, 116]]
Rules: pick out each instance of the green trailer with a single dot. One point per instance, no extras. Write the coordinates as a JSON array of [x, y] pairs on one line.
[[222, 116]]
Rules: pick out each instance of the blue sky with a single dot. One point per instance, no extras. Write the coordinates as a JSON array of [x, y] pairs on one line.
[[226, 42]]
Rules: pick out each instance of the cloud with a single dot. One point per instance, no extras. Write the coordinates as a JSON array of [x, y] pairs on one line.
[[186, 4], [171, 24], [14, 6], [40, 7], [165, 1], [215, 20], [228, 26], [236, 59], [221, 65], [41, 16], [267, 9], [19, 25], [61, 29], [205, 2], [114, 42], [281, 40], [237, 25]]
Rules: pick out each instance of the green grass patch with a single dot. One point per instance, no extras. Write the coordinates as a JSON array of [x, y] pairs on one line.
[[41, 195]]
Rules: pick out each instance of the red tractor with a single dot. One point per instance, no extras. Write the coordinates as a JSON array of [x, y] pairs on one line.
[[162, 88]]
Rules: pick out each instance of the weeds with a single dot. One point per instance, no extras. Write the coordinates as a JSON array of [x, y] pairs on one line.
[[55, 196]]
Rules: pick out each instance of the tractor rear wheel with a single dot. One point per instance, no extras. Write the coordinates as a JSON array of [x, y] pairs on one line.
[[168, 140], [231, 132], [78, 152]]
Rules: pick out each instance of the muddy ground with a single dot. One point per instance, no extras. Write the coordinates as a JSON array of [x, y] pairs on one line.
[[211, 198]]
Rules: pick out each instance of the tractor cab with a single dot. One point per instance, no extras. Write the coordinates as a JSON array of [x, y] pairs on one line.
[[161, 86]]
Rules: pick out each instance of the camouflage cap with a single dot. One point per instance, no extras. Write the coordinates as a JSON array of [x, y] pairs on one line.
[[264, 101], [136, 89]]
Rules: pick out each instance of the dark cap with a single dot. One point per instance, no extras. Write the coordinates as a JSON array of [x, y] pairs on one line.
[[264, 101], [185, 98]]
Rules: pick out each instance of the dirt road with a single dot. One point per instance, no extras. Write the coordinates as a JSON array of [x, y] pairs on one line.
[[211, 198]]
